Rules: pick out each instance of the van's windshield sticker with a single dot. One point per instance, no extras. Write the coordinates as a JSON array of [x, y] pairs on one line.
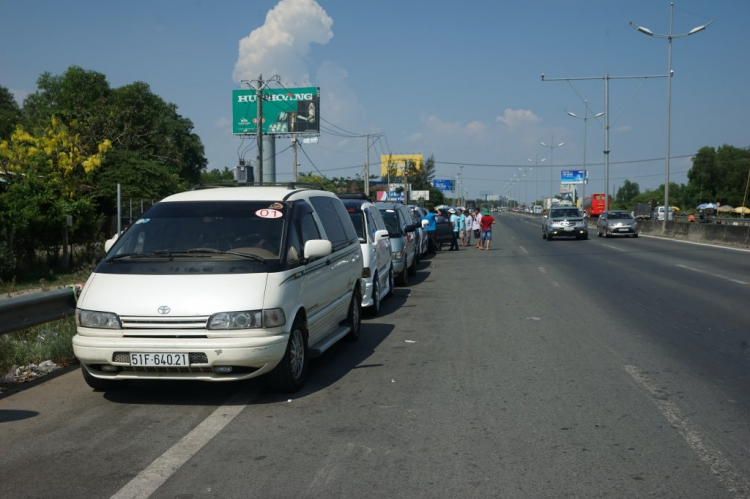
[[143, 221], [269, 213]]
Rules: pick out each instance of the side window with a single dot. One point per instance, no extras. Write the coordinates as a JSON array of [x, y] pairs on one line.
[[371, 226], [379, 222], [294, 251], [308, 228], [336, 222]]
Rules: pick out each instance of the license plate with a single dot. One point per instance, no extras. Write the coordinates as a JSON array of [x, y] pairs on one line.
[[159, 359], [568, 229]]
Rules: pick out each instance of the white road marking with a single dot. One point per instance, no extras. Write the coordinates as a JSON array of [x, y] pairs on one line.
[[720, 466], [158, 472], [612, 247], [714, 275], [708, 245], [541, 269], [524, 250]]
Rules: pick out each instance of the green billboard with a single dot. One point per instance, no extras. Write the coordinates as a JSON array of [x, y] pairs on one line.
[[285, 111]]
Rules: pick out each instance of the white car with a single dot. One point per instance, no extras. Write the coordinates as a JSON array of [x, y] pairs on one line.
[[223, 284], [377, 271]]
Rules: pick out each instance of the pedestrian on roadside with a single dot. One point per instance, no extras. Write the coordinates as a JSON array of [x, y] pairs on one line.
[[455, 221], [431, 230], [487, 222], [462, 226], [476, 226], [469, 227]]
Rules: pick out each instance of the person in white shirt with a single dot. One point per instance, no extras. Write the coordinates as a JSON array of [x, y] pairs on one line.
[[476, 226], [469, 227]]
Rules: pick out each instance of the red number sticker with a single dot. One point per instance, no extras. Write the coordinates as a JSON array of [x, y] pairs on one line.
[[268, 213]]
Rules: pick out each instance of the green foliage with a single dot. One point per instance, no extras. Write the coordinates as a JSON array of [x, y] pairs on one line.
[[10, 114], [51, 341], [626, 194], [217, 176], [719, 175], [325, 183]]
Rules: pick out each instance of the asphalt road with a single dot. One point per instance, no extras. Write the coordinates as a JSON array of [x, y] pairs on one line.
[[599, 368]]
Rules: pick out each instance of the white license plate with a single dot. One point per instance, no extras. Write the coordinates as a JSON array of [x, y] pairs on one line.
[[159, 359], [568, 229]]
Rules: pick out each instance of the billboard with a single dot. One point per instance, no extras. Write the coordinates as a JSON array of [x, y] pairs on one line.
[[573, 176], [285, 111], [443, 184], [396, 162]]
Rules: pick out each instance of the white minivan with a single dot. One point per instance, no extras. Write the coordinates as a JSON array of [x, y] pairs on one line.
[[659, 213], [223, 284]]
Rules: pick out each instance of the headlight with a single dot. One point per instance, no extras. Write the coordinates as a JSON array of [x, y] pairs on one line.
[[99, 320], [398, 255], [235, 320], [249, 319]]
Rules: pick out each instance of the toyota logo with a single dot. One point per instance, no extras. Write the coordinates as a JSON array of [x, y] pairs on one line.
[[164, 310]]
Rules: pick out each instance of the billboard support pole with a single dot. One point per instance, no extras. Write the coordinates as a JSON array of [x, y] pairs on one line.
[[294, 149], [259, 125]]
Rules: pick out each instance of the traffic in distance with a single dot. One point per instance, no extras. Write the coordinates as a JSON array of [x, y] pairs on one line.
[[236, 282]]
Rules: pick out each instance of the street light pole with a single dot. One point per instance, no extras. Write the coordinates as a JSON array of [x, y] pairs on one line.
[[585, 118], [551, 165], [669, 38], [536, 173]]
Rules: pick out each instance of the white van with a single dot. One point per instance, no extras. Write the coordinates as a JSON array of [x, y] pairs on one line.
[[223, 284], [659, 213]]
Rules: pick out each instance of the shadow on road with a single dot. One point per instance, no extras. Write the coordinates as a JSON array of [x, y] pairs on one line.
[[8, 415]]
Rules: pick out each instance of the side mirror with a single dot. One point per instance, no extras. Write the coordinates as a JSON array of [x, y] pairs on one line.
[[380, 235], [425, 224], [317, 248], [110, 242], [410, 228]]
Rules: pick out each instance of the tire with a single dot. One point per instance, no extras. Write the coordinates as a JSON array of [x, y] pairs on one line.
[[403, 278], [374, 309], [544, 235], [289, 375], [549, 238], [598, 233], [98, 384], [635, 235], [354, 318], [585, 237], [413, 267]]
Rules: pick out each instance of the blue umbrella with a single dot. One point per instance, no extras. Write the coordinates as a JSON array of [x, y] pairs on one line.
[[706, 206]]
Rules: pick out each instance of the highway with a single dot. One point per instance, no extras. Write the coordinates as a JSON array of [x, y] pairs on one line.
[[598, 368]]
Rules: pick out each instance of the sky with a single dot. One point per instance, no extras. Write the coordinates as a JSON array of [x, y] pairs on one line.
[[460, 81]]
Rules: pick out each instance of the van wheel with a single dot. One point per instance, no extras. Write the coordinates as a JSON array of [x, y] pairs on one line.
[[374, 309], [289, 375], [98, 384], [413, 267], [635, 235], [355, 316], [544, 235], [549, 237]]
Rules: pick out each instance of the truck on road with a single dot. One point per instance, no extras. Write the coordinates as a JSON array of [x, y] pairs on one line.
[[642, 211]]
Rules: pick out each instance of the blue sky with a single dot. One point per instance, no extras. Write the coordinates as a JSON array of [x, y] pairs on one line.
[[458, 80]]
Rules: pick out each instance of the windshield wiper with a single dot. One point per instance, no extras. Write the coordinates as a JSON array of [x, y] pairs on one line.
[[219, 252], [158, 254]]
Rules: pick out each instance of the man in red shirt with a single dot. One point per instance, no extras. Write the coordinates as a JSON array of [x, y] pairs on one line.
[[487, 221]]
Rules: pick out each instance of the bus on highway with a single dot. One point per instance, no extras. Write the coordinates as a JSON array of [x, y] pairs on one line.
[[593, 205]]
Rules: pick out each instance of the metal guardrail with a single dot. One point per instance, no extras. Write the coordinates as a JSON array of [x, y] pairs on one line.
[[39, 308]]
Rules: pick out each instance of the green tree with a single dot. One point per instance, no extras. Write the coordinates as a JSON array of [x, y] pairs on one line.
[[217, 176], [10, 114], [626, 194], [719, 175]]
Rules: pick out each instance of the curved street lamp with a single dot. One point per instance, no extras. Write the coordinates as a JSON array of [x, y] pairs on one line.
[[669, 37], [551, 164], [585, 118], [536, 173]]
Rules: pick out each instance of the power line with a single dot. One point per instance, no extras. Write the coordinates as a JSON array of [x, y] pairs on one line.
[[562, 166]]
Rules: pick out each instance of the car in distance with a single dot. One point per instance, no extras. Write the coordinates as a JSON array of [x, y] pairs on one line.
[[564, 221], [403, 240], [222, 284], [377, 271], [616, 223]]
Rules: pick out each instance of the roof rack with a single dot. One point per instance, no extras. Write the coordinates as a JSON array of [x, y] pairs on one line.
[[288, 185]]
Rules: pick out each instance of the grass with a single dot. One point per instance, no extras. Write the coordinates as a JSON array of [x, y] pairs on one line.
[[50, 280], [51, 341]]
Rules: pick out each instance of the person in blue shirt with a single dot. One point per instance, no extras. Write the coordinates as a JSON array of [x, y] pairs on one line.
[[456, 227], [431, 230]]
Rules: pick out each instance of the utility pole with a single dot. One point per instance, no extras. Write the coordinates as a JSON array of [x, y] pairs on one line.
[[259, 129], [367, 168], [294, 150]]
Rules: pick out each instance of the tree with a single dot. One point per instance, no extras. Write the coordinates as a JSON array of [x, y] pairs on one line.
[[217, 176], [10, 114], [325, 183], [719, 175], [626, 194]]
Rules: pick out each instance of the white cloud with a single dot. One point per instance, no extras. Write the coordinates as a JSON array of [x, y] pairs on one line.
[[438, 126], [222, 122], [517, 117], [20, 95], [415, 137], [281, 45], [624, 128]]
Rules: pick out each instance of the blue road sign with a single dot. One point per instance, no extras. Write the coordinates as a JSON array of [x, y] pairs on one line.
[[443, 184], [573, 176]]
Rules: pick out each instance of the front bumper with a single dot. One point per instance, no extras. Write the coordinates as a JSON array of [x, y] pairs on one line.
[[248, 356], [575, 231], [367, 299], [620, 231]]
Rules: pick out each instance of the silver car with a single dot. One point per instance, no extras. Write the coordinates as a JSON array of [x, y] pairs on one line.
[[616, 223], [564, 221]]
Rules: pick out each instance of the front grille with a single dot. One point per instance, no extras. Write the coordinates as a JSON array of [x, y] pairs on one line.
[[132, 322], [194, 358], [190, 369]]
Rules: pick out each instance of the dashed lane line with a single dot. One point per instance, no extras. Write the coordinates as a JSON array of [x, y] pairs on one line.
[[714, 275]]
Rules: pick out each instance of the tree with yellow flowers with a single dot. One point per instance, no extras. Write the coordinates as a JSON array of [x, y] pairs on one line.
[[46, 176]]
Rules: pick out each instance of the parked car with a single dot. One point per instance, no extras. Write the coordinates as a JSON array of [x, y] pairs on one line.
[[564, 221], [616, 222], [223, 284], [377, 271], [659, 213], [403, 240]]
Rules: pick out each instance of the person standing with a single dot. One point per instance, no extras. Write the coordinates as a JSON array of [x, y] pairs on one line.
[[462, 226], [487, 222], [431, 230], [456, 222], [476, 226], [469, 227]]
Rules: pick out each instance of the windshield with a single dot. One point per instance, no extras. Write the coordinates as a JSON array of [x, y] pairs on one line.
[[391, 221], [203, 231], [619, 216], [359, 222], [565, 213]]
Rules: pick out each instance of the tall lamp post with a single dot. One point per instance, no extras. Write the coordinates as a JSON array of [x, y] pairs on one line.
[[585, 118], [669, 38], [536, 173], [551, 164]]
